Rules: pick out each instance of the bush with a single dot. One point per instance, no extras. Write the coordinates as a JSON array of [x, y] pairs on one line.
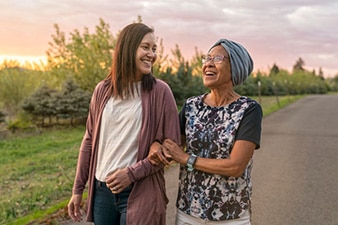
[[20, 125]]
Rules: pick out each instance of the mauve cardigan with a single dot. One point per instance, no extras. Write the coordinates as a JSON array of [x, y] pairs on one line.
[[147, 201]]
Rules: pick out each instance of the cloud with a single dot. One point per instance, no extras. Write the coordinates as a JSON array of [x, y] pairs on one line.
[[273, 31]]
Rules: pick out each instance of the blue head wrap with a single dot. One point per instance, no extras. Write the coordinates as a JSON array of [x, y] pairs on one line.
[[240, 60]]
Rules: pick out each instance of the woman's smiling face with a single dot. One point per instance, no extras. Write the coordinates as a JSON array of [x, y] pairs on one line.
[[217, 74], [145, 55]]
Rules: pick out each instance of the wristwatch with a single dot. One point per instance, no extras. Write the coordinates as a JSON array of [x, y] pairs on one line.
[[191, 162]]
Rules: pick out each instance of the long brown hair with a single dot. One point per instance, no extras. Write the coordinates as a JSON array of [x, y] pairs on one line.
[[123, 70]]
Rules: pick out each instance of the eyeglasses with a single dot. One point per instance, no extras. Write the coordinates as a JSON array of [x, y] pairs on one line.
[[215, 59]]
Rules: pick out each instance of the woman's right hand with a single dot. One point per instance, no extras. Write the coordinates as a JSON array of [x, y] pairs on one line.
[[74, 207], [176, 151], [158, 154]]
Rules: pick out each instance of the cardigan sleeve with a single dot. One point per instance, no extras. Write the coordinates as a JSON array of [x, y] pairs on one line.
[[161, 115], [83, 164]]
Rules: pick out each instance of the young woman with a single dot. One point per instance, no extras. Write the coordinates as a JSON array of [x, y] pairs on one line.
[[129, 111]]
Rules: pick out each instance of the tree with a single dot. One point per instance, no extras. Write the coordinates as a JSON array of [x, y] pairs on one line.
[[196, 63], [299, 65], [180, 78], [86, 57], [321, 73], [249, 87], [72, 102], [161, 61], [41, 104], [274, 70], [333, 83], [16, 83], [177, 59]]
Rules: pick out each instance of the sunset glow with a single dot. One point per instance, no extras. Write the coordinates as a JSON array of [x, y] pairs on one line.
[[23, 60], [274, 32]]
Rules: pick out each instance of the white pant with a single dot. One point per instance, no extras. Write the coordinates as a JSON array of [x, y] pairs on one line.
[[185, 219]]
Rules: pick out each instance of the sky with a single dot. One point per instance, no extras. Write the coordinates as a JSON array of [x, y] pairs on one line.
[[273, 31]]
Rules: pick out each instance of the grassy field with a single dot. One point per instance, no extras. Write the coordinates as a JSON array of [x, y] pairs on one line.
[[271, 104], [37, 169]]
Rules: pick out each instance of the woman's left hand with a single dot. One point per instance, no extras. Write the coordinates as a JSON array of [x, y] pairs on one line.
[[118, 180]]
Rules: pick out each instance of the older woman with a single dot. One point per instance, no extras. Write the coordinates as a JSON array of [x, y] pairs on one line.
[[221, 130]]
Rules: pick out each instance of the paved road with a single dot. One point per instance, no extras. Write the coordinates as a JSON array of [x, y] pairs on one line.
[[295, 175]]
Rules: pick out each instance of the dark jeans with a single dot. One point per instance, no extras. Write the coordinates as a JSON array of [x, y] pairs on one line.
[[109, 208]]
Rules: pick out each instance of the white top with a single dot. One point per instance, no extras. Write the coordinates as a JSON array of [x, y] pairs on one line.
[[119, 134]]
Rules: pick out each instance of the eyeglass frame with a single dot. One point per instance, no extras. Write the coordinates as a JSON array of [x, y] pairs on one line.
[[208, 58]]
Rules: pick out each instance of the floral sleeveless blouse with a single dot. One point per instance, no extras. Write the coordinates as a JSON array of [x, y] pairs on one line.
[[210, 133]]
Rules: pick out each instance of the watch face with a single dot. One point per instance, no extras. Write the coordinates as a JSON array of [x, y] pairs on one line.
[[191, 162]]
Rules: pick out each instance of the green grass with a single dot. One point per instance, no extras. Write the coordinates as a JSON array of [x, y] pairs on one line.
[[37, 170], [270, 103], [41, 216]]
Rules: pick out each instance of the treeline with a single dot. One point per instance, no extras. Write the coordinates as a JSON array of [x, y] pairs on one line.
[[59, 90], [70, 104]]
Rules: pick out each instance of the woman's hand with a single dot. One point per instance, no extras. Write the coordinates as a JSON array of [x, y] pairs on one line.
[[175, 151], [74, 207], [118, 180], [158, 154]]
